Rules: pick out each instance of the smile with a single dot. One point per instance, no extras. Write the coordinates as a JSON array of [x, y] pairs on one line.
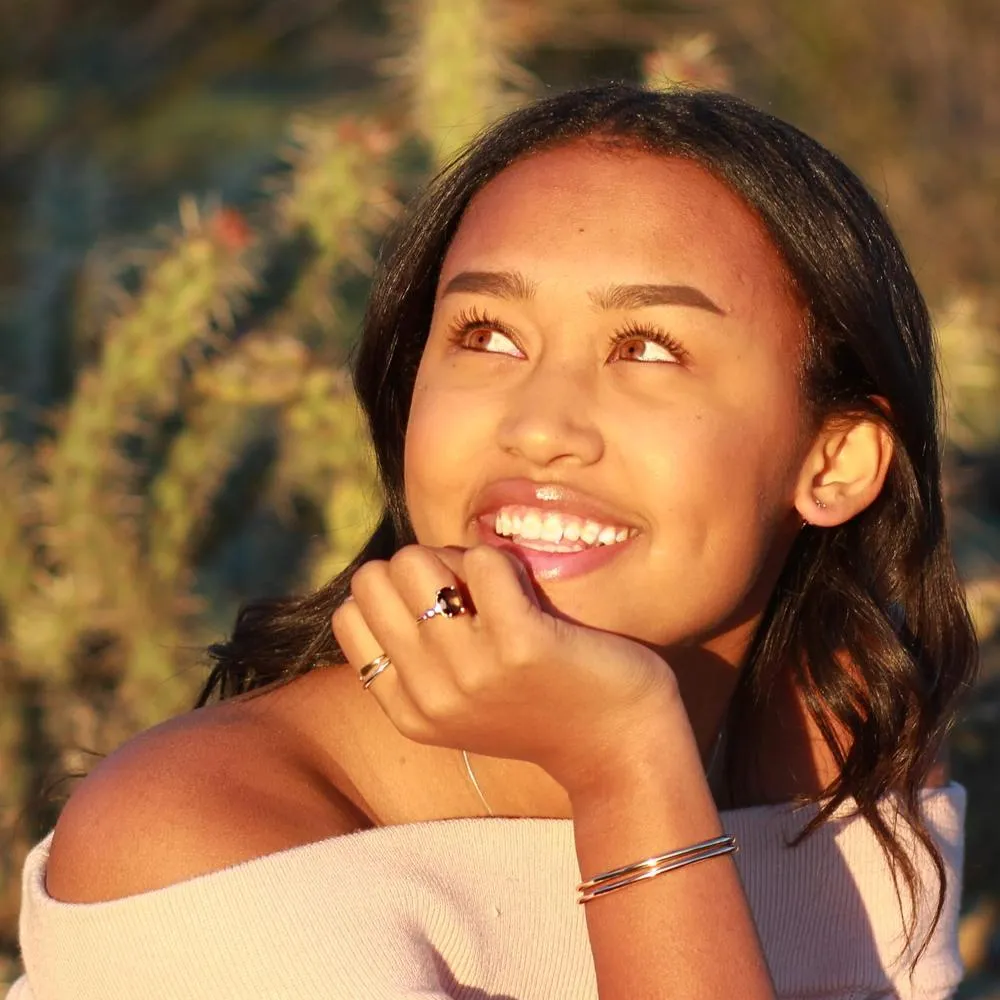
[[550, 561], [545, 530]]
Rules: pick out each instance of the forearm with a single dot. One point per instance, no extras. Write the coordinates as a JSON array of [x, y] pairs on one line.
[[685, 934]]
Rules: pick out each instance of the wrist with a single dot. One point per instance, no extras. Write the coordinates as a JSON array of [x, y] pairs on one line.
[[654, 751], [658, 800]]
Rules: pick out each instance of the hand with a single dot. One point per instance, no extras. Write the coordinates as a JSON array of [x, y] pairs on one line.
[[508, 680]]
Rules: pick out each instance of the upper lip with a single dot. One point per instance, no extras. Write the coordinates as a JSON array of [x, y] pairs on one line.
[[555, 496]]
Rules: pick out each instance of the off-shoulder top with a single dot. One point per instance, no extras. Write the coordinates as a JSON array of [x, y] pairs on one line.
[[481, 909]]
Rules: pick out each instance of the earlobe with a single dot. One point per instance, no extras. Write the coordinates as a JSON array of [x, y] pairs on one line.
[[844, 471]]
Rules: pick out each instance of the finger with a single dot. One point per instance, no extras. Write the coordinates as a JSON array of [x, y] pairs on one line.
[[358, 643], [454, 558], [386, 614], [419, 573], [361, 647], [419, 669], [502, 588]]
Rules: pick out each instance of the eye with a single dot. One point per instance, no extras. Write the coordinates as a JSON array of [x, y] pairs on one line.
[[475, 331], [646, 344], [489, 342]]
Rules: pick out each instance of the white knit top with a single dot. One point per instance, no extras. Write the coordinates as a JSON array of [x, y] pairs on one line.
[[476, 909]]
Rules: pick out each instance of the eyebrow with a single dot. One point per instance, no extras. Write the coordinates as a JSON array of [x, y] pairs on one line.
[[514, 285], [500, 284], [637, 296]]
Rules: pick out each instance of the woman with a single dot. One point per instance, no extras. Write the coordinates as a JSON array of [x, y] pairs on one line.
[[662, 573]]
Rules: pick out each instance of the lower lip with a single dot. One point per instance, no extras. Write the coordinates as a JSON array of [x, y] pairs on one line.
[[554, 565]]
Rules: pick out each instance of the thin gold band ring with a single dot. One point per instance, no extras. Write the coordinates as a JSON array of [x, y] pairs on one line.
[[370, 671]]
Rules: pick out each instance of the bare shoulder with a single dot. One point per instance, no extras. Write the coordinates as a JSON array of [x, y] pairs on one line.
[[196, 794]]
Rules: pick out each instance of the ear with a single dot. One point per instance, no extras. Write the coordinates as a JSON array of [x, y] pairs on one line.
[[844, 471]]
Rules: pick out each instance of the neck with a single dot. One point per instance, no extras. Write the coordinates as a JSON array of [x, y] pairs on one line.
[[706, 680]]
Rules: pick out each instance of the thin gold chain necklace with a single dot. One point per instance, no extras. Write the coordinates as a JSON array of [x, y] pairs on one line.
[[709, 767], [475, 784]]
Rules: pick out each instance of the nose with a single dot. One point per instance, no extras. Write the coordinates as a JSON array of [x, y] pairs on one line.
[[549, 419]]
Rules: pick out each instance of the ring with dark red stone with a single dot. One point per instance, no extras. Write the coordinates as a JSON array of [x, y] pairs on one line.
[[447, 602]]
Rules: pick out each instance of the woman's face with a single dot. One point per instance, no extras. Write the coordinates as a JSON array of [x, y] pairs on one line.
[[614, 352]]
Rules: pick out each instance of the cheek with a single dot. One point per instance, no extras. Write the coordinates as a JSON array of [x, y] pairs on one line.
[[749, 436], [693, 477], [715, 481], [700, 468], [444, 436]]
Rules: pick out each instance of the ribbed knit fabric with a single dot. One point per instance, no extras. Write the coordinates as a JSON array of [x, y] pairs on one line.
[[477, 909]]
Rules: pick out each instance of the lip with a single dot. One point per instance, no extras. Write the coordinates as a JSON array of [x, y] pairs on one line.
[[544, 496], [554, 496]]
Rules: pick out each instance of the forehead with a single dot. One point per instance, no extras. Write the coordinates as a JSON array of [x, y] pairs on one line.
[[582, 209]]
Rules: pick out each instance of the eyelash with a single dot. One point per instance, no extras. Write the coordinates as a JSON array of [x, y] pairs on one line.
[[633, 330], [472, 319]]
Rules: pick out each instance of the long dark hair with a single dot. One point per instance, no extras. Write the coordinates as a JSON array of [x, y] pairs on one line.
[[880, 591]]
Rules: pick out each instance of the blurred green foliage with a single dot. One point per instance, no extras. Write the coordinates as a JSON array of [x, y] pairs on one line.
[[178, 431]]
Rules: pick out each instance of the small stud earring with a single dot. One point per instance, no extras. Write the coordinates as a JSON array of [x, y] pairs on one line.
[[819, 503]]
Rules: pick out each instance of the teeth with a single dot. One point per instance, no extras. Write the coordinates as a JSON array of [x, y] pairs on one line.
[[531, 525], [552, 529], [557, 529], [606, 537]]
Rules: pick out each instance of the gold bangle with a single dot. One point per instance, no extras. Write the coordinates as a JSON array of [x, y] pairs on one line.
[[726, 838], [619, 878]]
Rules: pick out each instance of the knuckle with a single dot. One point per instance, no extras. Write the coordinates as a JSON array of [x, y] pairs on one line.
[[483, 566], [345, 619], [345, 606], [408, 558], [366, 577], [518, 648], [339, 618], [414, 725], [472, 681], [489, 561], [439, 703], [480, 559]]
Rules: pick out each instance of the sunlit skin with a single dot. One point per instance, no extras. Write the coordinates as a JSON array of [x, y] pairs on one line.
[[702, 452]]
